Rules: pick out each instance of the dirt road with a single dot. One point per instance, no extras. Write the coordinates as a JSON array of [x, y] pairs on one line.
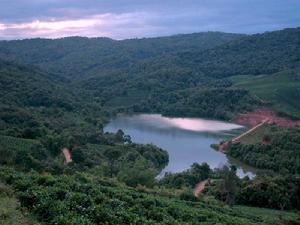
[[249, 131], [67, 154], [223, 146], [199, 188]]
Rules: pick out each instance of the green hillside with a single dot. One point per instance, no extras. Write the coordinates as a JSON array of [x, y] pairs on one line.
[[79, 56], [84, 199], [256, 54], [155, 73], [281, 90]]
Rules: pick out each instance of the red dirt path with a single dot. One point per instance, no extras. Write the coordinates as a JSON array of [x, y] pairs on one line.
[[199, 188], [261, 114], [67, 155], [255, 119]]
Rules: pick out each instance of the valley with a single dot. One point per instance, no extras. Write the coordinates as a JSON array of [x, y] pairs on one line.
[[87, 125]]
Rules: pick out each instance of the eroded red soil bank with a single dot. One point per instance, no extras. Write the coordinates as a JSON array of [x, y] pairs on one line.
[[255, 117]]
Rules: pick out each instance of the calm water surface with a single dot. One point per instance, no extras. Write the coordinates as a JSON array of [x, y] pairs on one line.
[[187, 140]]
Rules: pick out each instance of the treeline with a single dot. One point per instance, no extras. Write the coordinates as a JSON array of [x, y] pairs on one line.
[[266, 191], [278, 151], [188, 178], [218, 103]]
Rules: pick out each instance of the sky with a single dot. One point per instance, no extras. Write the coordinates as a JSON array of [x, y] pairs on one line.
[[123, 19]]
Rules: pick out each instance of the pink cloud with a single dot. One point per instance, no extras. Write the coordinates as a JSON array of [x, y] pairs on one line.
[[111, 25]]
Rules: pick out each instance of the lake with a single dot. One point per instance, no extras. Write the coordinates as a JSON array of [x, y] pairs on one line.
[[187, 140]]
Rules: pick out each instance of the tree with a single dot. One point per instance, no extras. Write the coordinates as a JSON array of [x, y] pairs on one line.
[[228, 185], [120, 136], [112, 156]]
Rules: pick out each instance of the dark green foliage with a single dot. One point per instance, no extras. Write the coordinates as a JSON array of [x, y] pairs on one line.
[[276, 191], [29, 86], [148, 74], [269, 52], [217, 103], [86, 199], [228, 187], [112, 156], [188, 178], [279, 192], [104, 56], [280, 154]]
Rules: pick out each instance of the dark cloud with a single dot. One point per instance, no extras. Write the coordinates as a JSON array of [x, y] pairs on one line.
[[138, 18]]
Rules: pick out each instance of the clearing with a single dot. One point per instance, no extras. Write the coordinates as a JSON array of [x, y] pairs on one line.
[[262, 114], [280, 90]]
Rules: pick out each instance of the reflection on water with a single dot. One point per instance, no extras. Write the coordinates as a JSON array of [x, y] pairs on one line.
[[189, 124], [186, 140]]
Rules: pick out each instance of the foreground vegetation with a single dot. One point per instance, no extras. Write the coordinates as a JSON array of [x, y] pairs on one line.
[[88, 199], [10, 211]]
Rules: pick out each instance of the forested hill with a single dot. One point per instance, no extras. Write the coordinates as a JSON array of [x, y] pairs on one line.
[[27, 86], [211, 53], [78, 56], [182, 75], [256, 54]]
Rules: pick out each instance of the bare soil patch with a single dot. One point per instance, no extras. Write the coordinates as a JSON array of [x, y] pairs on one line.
[[199, 188], [262, 114], [67, 155]]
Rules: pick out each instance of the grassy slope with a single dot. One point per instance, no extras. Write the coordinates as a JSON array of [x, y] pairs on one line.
[[256, 136], [268, 215], [10, 213], [281, 90], [16, 143]]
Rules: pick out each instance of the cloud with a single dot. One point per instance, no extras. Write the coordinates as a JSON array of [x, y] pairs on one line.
[[117, 26], [121, 19]]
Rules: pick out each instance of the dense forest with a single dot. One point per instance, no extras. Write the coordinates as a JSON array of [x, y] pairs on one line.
[[183, 68], [277, 151], [279, 192], [59, 94]]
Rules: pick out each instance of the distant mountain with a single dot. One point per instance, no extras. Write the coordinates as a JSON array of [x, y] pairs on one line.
[[184, 75], [77, 56], [256, 54]]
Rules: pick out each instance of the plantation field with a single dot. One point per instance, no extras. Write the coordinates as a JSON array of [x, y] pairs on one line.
[[256, 136], [87, 199], [280, 90], [268, 215], [16, 143]]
